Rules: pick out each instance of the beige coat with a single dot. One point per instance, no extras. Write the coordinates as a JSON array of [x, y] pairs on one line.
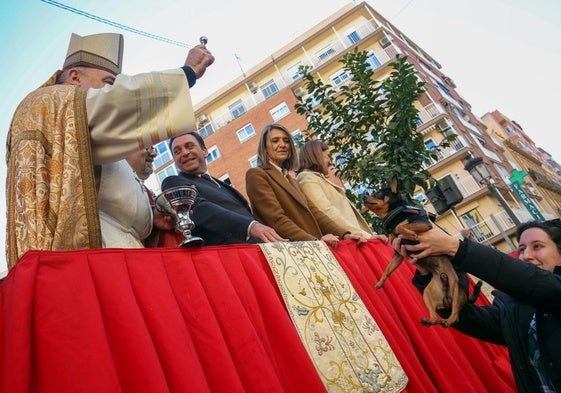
[[278, 201], [331, 200]]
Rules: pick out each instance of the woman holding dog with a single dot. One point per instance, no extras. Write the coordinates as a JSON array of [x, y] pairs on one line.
[[278, 201], [526, 312], [313, 177]]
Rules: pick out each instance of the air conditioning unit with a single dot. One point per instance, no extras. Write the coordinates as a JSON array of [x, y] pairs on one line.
[[444, 126], [385, 42], [299, 91], [253, 87], [203, 119]]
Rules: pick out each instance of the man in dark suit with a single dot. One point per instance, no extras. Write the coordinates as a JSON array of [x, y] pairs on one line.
[[220, 213]]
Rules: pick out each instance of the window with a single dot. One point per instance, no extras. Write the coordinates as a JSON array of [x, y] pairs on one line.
[[478, 226], [293, 73], [206, 131], [314, 100], [169, 171], [458, 112], [503, 172], [325, 53], [237, 109], [443, 88], [279, 111], [270, 88], [226, 179], [298, 138], [339, 77], [245, 133], [353, 37], [372, 61], [164, 155], [421, 198], [430, 144], [509, 130], [253, 161], [213, 154]]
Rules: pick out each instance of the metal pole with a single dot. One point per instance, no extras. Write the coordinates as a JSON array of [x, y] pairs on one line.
[[503, 203], [503, 233]]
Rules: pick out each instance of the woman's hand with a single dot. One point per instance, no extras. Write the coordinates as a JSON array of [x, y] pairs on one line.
[[383, 238], [358, 237], [431, 242], [331, 240], [399, 248]]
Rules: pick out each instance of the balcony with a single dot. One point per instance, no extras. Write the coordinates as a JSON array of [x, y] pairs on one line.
[[429, 112], [468, 186], [327, 53], [490, 228], [470, 126], [490, 154], [363, 30], [455, 146]]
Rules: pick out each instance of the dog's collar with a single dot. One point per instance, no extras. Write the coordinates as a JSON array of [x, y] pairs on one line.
[[399, 214]]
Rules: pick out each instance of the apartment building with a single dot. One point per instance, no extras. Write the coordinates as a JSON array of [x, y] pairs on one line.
[[230, 120], [543, 180]]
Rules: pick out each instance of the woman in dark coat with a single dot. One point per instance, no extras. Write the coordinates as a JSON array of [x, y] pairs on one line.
[[526, 312]]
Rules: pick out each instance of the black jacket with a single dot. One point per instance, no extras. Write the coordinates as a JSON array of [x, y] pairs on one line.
[[530, 290], [221, 214]]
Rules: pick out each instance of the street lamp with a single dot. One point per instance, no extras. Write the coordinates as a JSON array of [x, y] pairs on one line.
[[480, 173]]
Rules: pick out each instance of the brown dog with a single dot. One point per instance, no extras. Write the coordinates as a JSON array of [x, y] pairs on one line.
[[443, 291]]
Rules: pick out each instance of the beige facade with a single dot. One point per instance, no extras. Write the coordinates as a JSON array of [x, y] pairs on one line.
[[544, 175], [232, 118]]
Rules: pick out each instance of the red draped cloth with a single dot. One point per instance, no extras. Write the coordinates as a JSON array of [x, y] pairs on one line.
[[209, 319]]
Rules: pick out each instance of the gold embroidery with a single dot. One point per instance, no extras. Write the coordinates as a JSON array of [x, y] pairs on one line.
[[348, 349], [51, 188]]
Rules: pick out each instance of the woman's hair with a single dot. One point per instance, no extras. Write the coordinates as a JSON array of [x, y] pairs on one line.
[[263, 158], [551, 227], [311, 157]]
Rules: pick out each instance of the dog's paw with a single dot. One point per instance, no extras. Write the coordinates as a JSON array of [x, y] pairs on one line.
[[426, 322]]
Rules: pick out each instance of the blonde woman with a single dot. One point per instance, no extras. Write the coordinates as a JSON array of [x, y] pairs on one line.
[[313, 177]]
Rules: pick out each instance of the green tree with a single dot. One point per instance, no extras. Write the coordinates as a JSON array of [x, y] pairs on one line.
[[370, 125]]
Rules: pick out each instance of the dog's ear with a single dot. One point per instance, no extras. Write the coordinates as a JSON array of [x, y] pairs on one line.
[[394, 184]]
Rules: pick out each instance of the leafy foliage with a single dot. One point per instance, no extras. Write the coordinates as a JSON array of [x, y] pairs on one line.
[[370, 125]]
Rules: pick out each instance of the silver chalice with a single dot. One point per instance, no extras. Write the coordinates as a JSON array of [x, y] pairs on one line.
[[177, 201]]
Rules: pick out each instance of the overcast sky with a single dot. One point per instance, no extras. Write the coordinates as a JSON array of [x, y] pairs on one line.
[[501, 54]]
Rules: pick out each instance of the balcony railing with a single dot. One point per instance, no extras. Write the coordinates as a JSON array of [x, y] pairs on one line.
[[468, 185], [365, 29], [455, 146], [327, 53], [429, 112], [485, 230]]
